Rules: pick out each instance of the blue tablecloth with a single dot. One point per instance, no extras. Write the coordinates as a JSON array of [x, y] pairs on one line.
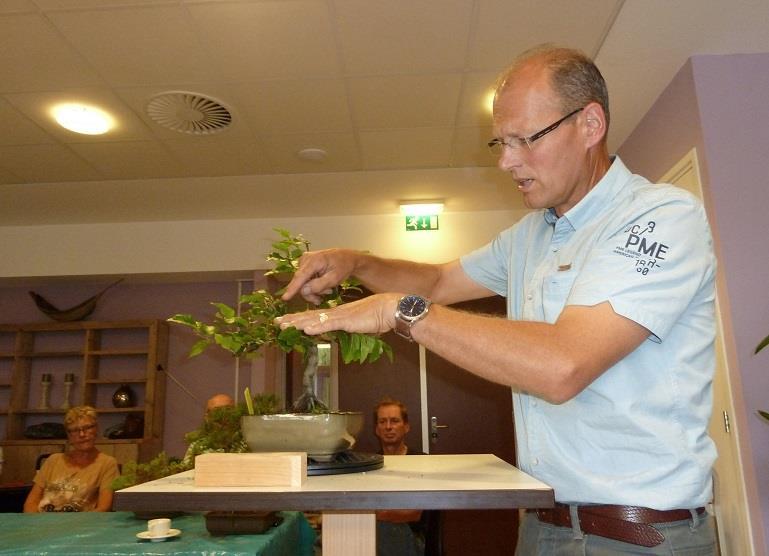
[[114, 533]]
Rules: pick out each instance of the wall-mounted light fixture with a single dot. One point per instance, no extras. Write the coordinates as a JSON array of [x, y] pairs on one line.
[[421, 215]]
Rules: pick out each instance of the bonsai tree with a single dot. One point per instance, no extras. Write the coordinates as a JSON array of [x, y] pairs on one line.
[[244, 332]]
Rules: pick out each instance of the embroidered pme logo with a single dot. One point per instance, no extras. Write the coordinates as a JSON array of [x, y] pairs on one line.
[[639, 244]]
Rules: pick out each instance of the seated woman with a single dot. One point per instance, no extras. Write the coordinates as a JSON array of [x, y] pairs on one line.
[[77, 480]]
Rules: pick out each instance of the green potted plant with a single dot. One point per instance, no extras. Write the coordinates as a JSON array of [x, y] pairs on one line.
[[243, 331]]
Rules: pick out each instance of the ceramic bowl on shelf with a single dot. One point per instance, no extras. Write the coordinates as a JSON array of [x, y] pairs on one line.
[[321, 435]]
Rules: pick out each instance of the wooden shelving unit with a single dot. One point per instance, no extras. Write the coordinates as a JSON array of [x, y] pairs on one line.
[[102, 356]]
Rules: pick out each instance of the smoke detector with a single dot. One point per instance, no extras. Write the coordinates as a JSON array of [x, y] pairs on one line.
[[191, 113]]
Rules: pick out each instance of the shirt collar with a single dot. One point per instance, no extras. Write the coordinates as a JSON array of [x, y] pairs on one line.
[[608, 187]]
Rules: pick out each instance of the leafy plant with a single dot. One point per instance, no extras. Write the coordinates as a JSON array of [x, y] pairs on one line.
[[220, 429], [219, 432], [244, 333], [761, 345], [262, 403], [158, 467]]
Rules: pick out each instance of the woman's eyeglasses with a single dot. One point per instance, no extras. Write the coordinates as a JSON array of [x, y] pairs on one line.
[[84, 428]]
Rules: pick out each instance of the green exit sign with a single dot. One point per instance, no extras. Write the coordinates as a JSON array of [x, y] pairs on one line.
[[426, 222]]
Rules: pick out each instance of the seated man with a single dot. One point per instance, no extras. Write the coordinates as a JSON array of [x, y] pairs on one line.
[[395, 528], [219, 400]]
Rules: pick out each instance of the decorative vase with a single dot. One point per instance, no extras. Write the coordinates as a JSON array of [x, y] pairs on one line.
[[124, 397], [69, 380], [45, 392]]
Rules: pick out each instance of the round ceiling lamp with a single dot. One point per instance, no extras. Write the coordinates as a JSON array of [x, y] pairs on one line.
[[82, 118]]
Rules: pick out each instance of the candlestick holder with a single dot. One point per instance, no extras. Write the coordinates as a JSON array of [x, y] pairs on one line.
[[45, 391], [69, 380]]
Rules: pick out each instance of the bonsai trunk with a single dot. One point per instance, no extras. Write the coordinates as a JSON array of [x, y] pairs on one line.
[[308, 402]]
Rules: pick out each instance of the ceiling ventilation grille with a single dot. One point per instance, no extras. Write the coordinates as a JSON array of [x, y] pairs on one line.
[[190, 113]]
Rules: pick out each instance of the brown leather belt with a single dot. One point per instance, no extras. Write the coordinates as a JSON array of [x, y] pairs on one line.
[[629, 524]]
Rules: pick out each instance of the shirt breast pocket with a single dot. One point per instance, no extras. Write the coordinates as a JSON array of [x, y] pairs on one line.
[[555, 292]]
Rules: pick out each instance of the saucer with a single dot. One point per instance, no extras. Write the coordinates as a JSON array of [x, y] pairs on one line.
[[146, 535]]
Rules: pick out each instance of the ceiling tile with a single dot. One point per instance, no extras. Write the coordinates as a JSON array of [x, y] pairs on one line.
[[470, 147], [35, 57], [137, 46], [7, 177], [15, 129], [218, 155], [46, 163], [130, 159], [76, 4], [259, 40], [404, 101], [504, 29], [404, 148], [37, 107], [474, 106], [341, 149], [290, 106], [403, 36], [17, 6]]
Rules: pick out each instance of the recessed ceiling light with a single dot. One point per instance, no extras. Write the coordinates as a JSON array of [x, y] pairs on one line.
[[81, 118]]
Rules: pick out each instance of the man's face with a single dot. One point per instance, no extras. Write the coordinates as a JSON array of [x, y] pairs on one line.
[[554, 172], [390, 427]]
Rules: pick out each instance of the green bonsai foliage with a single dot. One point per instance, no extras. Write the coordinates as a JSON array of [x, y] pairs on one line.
[[245, 333]]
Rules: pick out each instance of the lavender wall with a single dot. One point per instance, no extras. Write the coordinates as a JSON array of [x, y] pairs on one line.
[[202, 376], [718, 104]]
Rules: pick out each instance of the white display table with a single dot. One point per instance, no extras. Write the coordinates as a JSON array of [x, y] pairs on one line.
[[348, 501]]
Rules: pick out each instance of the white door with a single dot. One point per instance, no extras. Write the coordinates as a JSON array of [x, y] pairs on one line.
[[729, 499]]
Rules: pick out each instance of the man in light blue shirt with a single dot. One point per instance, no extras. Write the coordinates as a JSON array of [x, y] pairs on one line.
[[608, 344]]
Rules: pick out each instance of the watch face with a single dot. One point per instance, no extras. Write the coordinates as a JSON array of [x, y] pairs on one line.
[[412, 306]]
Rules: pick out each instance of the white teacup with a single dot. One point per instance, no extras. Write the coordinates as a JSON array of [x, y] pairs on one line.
[[159, 527]]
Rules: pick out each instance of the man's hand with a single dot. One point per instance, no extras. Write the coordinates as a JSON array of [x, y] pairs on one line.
[[319, 271], [374, 314]]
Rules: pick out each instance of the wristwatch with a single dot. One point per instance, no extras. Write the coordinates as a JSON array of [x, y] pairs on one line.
[[411, 309]]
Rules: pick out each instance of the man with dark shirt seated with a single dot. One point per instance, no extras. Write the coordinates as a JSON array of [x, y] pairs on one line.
[[396, 528]]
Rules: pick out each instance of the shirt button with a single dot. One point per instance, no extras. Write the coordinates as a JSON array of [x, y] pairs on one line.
[[529, 297], [534, 403], [535, 461], [555, 250]]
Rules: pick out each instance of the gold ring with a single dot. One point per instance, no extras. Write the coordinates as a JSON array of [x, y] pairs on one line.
[[323, 317]]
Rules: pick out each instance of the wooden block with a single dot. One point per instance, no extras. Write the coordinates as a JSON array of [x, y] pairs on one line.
[[251, 469]]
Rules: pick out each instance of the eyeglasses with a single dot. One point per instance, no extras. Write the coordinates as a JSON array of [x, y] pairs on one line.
[[84, 428], [497, 145]]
